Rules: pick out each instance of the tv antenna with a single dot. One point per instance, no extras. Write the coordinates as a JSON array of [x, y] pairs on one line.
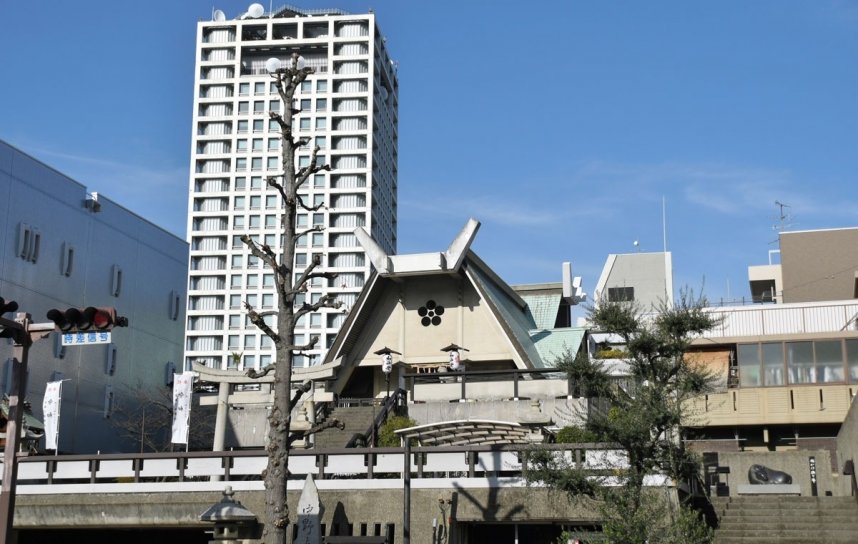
[[783, 219], [218, 15]]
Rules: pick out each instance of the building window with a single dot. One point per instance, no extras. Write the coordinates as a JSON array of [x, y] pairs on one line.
[[259, 88], [621, 294], [797, 363], [304, 123], [322, 86], [321, 123], [242, 127], [243, 89]]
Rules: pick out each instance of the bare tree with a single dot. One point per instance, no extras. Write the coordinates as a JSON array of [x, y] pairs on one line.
[[287, 78], [143, 416]]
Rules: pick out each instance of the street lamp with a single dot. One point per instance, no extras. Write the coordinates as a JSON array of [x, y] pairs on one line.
[[455, 357], [387, 365]]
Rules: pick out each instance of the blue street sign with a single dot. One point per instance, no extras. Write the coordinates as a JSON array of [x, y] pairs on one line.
[[86, 338]]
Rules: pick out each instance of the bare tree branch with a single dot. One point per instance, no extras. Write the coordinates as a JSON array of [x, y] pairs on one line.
[[260, 323], [309, 209], [267, 257]]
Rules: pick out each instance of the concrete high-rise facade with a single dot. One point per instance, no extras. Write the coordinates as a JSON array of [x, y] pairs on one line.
[[348, 108]]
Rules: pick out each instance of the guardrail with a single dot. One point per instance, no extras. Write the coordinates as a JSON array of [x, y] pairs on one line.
[[485, 466]]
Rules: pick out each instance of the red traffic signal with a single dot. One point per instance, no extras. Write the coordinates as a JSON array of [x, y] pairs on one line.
[[86, 319], [6, 307]]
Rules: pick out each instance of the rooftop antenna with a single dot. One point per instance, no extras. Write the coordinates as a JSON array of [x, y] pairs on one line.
[[218, 15], [637, 244], [783, 219]]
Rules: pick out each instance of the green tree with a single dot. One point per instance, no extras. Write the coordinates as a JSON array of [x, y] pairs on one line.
[[644, 419]]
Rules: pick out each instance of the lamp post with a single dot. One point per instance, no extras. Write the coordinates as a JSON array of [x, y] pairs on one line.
[[455, 357], [387, 365], [456, 365]]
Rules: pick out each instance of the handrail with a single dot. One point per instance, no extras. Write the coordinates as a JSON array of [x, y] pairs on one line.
[[387, 406], [480, 376]]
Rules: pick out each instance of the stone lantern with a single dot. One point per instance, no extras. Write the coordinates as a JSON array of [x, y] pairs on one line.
[[233, 523]]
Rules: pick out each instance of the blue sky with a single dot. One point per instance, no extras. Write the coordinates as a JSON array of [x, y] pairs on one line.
[[560, 125]]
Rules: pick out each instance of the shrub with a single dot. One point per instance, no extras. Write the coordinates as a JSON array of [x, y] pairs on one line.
[[387, 438], [573, 435]]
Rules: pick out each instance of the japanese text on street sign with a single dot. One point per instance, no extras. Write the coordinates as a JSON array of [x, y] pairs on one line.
[[86, 338]]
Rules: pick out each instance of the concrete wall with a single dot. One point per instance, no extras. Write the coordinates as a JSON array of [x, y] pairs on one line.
[[367, 506], [819, 265], [847, 438], [650, 274], [795, 463]]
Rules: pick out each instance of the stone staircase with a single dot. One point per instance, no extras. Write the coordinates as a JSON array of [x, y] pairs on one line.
[[786, 519], [356, 419]]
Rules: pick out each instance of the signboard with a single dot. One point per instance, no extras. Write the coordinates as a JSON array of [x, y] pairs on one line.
[[812, 465], [86, 338]]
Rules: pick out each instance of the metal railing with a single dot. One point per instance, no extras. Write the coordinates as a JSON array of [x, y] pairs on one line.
[[517, 384]]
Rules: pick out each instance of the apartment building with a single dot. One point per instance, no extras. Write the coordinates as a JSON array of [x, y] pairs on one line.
[[348, 108]]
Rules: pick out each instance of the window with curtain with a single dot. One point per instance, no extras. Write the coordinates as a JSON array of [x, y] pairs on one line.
[[773, 364], [207, 303], [348, 181], [207, 283], [829, 361], [800, 362], [748, 358]]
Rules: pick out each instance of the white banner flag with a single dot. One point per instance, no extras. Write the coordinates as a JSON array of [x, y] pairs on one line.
[[51, 413], [182, 390]]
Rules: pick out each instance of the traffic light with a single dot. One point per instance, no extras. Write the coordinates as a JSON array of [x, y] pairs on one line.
[[86, 319], [7, 307]]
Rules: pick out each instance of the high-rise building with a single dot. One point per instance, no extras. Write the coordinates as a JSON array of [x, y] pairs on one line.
[[348, 108]]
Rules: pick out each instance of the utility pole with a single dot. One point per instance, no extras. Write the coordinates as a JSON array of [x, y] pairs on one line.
[[23, 333]]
